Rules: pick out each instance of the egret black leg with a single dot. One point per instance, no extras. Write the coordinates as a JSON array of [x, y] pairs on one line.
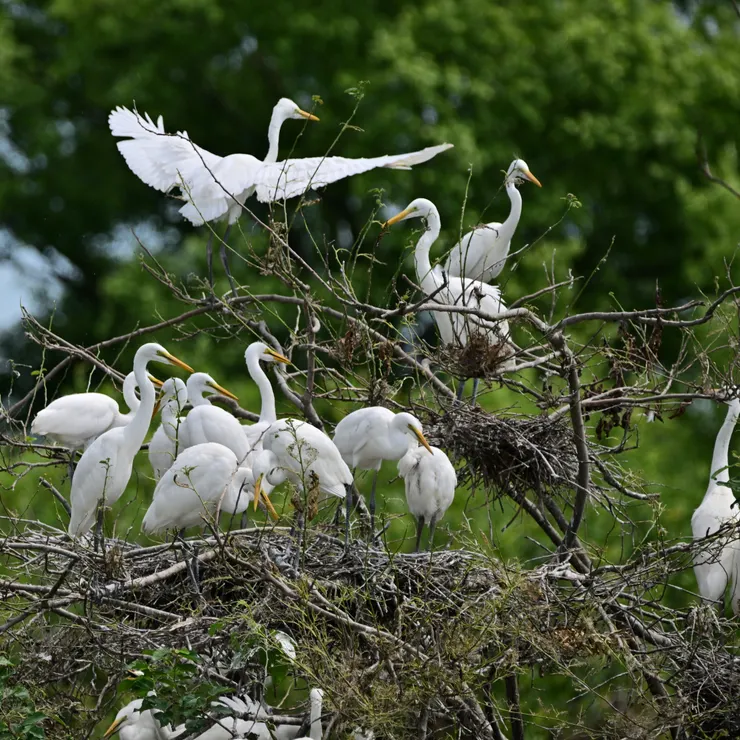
[[194, 568], [432, 527], [419, 530], [372, 506], [225, 260], [460, 390], [476, 381], [209, 259], [71, 464], [98, 538], [348, 500], [243, 522]]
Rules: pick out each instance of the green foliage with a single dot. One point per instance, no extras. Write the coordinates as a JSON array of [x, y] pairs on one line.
[[19, 718]]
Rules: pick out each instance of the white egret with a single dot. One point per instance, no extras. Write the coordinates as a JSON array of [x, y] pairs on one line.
[[453, 291], [481, 254], [163, 447], [297, 451], [256, 352], [77, 419], [207, 423], [715, 570], [430, 487], [368, 436], [133, 724], [106, 465], [203, 479]]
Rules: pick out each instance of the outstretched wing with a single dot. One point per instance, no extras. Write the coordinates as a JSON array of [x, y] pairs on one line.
[[292, 177], [160, 159]]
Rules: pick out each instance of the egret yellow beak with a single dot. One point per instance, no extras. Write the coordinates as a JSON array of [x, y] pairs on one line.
[[398, 217], [114, 727], [277, 356], [260, 494], [306, 115], [174, 361], [422, 439], [531, 178], [156, 381], [220, 389]]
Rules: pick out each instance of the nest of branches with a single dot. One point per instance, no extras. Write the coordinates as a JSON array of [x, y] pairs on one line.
[[478, 358], [505, 453]]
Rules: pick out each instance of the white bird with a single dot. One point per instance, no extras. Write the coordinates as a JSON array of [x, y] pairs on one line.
[[207, 423], [430, 487], [297, 451], [203, 479], [215, 187], [164, 445], [256, 352], [453, 291], [106, 465], [481, 254], [133, 724], [715, 569], [76, 420], [368, 436]]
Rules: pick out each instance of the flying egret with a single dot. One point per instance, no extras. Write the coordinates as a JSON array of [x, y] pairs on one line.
[[207, 423], [481, 254], [163, 447], [106, 465], [133, 724], [297, 451], [715, 570], [368, 436], [76, 420], [430, 487]]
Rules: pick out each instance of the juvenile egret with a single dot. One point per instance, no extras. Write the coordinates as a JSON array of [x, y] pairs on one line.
[[368, 436], [105, 467], [163, 447], [481, 254], [133, 724], [256, 352], [453, 291], [297, 451], [207, 423], [74, 421], [715, 570], [430, 487], [203, 479]]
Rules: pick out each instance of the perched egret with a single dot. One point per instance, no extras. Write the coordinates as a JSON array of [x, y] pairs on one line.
[[297, 451], [133, 724], [315, 731], [713, 569], [105, 467], [368, 436], [76, 420], [453, 291], [430, 487], [163, 447], [481, 254], [256, 352], [203, 479], [207, 423]]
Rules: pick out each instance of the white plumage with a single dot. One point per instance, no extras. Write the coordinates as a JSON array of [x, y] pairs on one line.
[[430, 487], [164, 445], [719, 563], [481, 254], [216, 187], [453, 291], [133, 724], [106, 465]]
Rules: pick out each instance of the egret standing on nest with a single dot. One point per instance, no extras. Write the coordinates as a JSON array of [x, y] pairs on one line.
[[216, 187], [481, 254], [715, 570], [368, 436]]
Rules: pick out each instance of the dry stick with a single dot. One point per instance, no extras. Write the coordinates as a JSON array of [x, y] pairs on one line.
[[515, 710], [57, 495]]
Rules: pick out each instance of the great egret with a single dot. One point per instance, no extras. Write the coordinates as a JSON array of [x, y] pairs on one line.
[[74, 421], [133, 724], [300, 452], [256, 352], [453, 291], [368, 436], [481, 254], [207, 423], [105, 467], [163, 447], [715, 570], [430, 487]]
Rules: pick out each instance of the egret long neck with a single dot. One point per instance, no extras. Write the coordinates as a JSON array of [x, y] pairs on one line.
[[424, 272], [316, 731], [129, 392], [137, 428], [259, 376], [720, 461], [238, 495], [273, 134], [509, 226]]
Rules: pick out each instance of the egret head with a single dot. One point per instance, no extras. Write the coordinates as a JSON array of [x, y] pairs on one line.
[[412, 426], [418, 208], [264, 353], [285, 108], [126, 717], [153, 352], [202, 384], [519, 171]]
